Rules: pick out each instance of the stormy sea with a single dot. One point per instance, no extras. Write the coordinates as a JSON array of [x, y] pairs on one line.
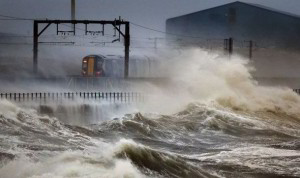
[[211, 120]]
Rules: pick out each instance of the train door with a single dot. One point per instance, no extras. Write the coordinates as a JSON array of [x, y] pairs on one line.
[[91, 67]]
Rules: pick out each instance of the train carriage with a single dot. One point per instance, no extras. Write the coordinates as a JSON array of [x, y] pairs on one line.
[[113, 66]]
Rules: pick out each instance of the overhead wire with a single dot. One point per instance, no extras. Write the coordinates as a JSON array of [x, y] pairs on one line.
[[164, 32], [31, 19], [135, 24], [112, 36], [15, 18]]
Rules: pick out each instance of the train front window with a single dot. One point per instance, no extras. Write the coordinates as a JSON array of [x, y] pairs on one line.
[[84, 66]]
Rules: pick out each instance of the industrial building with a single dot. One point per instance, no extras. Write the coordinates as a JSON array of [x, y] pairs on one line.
[[275, 36], [241, 21]]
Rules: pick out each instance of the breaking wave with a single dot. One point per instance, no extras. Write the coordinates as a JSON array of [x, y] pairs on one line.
[[212, 120], [200, 76]]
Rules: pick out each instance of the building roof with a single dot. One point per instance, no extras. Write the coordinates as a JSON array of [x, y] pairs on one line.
[[247, 4]]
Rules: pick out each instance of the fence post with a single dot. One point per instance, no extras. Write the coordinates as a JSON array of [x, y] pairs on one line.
[[250, 48], [230, 47]]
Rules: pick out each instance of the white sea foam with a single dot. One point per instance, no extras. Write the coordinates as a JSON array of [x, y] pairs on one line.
[[271, 160], [93, 162], [199, 76]]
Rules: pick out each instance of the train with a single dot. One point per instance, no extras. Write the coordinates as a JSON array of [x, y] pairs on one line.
[[92, 66], [98, 65]]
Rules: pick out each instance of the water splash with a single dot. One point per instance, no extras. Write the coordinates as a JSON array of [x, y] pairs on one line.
[[200, 76]]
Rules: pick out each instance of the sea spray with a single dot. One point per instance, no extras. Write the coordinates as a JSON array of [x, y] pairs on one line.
[[80, 112], [200, 76], [79, 164], [211, 120], [42, 146]]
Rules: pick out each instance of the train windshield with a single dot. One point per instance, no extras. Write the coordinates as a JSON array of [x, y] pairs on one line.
[[84, 65]]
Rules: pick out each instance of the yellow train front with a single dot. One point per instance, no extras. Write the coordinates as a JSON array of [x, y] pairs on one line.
[[92, 66]]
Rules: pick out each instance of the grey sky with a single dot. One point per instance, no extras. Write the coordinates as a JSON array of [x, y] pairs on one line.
[[150, 13]]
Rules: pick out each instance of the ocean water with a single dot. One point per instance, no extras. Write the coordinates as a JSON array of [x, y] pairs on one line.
[[213, 120]]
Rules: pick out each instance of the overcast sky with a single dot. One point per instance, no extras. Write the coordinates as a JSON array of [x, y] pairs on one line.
[[150, 13]]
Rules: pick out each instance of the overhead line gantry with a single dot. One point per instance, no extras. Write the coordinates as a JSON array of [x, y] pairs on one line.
[[115, 23]]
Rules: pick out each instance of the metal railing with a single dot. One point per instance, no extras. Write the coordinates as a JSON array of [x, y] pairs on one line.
[[107, 96], [297, 91]]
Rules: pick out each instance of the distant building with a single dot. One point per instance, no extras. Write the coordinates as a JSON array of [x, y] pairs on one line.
[[241, 21]]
